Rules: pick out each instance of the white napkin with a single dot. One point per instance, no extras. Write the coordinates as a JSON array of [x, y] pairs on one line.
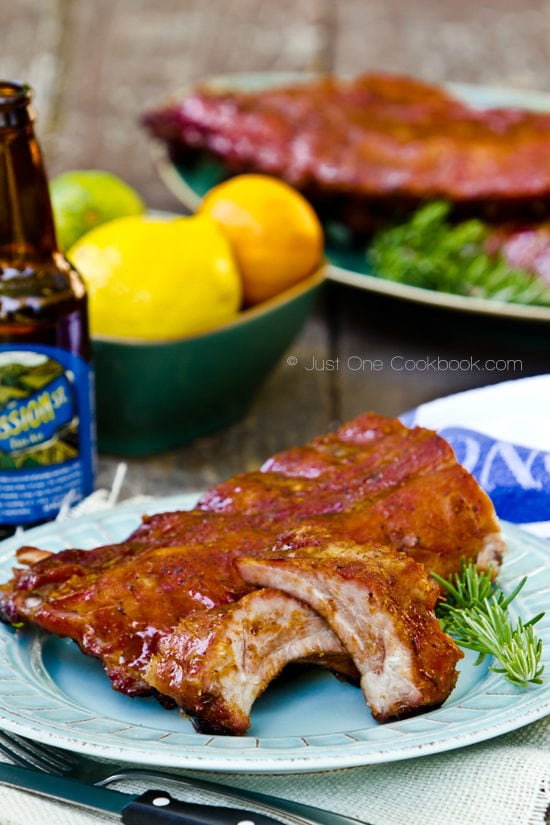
[[503, 433]]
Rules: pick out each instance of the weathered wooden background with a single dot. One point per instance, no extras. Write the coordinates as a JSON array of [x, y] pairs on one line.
[[95, 66]]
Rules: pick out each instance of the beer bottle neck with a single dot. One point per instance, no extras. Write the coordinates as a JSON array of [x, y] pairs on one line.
[[26, 221]]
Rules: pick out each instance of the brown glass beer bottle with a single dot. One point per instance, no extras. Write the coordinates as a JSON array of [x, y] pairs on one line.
[[46, 404]]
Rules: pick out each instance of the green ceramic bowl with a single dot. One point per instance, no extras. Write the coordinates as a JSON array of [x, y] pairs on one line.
[[151, 397]]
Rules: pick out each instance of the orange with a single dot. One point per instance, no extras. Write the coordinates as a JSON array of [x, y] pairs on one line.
[[276, 236]]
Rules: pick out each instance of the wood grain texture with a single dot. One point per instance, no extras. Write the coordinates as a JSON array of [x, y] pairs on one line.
[[419, 354], [498, 42], [32, 52], [123, 56]]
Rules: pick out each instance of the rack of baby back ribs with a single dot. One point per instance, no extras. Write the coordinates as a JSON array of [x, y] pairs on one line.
[[367, 149], [322, 556]]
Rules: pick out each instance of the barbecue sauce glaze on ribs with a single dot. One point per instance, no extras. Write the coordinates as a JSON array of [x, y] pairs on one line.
[[380, 140], [374, 482]]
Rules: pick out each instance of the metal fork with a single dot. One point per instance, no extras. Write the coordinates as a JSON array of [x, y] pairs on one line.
[[45, 758]]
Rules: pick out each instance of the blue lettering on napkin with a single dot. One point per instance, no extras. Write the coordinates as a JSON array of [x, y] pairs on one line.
[[516, 478]]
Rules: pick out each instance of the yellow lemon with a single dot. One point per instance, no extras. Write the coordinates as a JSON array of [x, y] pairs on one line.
[[156, 278], [84, 198], [276, 235]]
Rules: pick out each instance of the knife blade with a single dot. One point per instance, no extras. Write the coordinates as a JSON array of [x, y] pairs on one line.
[[147, 808]]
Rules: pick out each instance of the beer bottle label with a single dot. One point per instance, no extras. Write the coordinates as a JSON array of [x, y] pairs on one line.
[[46, 432]]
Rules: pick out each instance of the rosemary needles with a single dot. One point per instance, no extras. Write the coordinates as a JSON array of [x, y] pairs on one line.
[[476, 614]]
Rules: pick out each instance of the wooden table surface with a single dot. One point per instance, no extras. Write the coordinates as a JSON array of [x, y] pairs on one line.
[[96, 66]]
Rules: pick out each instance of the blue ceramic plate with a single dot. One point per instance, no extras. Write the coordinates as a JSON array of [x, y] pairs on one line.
[[51, 692], [347, 265]]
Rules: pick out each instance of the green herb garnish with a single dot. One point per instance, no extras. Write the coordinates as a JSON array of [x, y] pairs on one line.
[[430, 251], [476, 614]]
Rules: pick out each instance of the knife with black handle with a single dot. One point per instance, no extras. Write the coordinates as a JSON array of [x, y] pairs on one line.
[[159, 807], [150, 808]]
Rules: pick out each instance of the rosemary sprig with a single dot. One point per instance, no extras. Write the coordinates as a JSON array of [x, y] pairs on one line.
[[476, 613]]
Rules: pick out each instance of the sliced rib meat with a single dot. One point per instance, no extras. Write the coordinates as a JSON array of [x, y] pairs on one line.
[[380, 604], [217, 662]]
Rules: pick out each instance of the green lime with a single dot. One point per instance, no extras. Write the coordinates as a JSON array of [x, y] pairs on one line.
[[85, 198]]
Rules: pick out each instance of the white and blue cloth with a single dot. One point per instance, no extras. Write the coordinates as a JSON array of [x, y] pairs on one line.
[[501, 434]]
